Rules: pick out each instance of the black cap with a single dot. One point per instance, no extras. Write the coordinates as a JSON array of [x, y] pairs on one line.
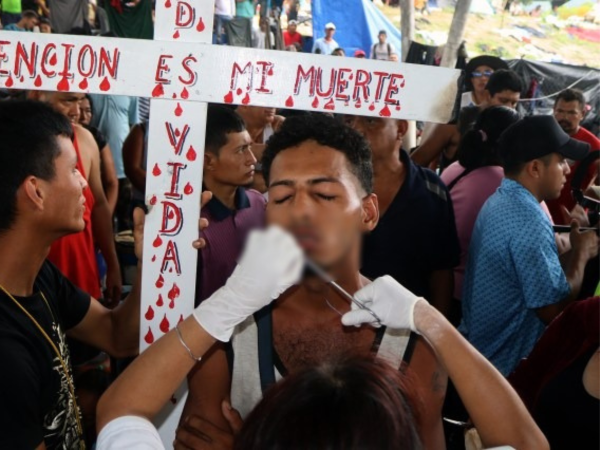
[[536, 136], [383, 32]]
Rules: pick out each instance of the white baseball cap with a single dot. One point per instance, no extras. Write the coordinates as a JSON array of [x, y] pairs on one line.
[[330, 25]]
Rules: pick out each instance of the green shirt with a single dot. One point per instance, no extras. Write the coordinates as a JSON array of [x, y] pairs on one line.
[[11, 6], [244, 9]]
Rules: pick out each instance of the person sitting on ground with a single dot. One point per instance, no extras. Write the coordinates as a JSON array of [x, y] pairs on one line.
[[560, 380], [110, 182], [339, 404], [474, 178], [514, 281], [261, 123], [41, 199], [440, 141], [29, 20]]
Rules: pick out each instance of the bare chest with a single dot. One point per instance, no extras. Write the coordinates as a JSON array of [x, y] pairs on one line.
[[301, 345]]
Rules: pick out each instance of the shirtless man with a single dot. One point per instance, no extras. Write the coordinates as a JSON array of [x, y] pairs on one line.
[[75, 254], [261, 123], [320, 180]]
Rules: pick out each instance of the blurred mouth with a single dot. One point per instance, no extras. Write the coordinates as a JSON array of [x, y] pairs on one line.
[[307, 239]]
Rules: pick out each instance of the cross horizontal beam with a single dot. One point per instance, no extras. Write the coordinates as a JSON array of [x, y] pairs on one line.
[[204, 73]]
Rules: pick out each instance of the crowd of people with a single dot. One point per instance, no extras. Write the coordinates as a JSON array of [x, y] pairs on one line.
[[471, 264]]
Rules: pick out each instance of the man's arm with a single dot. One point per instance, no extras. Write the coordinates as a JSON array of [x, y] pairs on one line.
[[584, 247], [209, 385], [433, 144], [101, 217], [116, 331], [167, 361], [109, 178], [133, 149], [430, 382], [494, 407]]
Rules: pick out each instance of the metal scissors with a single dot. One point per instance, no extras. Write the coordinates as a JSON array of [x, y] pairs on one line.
[[313, 267]]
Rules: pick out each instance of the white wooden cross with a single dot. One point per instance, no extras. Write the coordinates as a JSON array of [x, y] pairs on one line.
[[182, 72]]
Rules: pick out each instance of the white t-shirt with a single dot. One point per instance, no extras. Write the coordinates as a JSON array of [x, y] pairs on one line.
[[225, 7], [382, 51], [259, 38], [326, 47], [129, 433]]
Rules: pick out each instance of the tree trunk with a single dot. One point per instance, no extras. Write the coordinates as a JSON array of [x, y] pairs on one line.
[[455, 35], [407, 25], [407, 28]]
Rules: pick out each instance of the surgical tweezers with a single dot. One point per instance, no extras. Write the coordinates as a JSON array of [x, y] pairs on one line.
[[313, 267]]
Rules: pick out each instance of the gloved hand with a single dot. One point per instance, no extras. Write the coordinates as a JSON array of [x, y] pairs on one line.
[[271, 263], [392, 302]]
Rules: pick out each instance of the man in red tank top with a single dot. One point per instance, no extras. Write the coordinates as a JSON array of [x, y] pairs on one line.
[[75, 254]]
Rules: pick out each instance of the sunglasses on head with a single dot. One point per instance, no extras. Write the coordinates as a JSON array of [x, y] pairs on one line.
[[485, 73]]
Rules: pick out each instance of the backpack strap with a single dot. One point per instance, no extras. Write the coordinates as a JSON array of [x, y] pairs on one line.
[[266, 368], [374, 55], [389, 50], [458, 178]]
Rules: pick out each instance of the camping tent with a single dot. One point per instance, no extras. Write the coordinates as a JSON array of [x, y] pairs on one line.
[[544, 80], [357, 23]]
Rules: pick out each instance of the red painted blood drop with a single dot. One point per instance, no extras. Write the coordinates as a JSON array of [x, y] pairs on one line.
[[165, 326], [191, 154], [63, 85], [149, 313], [178, 110], [149, 338], [158, 91], [105, 85]]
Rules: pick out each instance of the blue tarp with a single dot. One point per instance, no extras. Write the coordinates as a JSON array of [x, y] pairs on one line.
[[357, 24]]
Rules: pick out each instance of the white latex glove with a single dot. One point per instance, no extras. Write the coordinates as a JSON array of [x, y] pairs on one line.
[[271, 263], [392, 302]]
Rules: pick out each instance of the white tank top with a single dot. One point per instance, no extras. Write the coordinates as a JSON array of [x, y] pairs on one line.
[[267, 133], [246, 389]]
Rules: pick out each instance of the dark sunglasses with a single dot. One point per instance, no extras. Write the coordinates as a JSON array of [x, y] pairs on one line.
[[487, 73]]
